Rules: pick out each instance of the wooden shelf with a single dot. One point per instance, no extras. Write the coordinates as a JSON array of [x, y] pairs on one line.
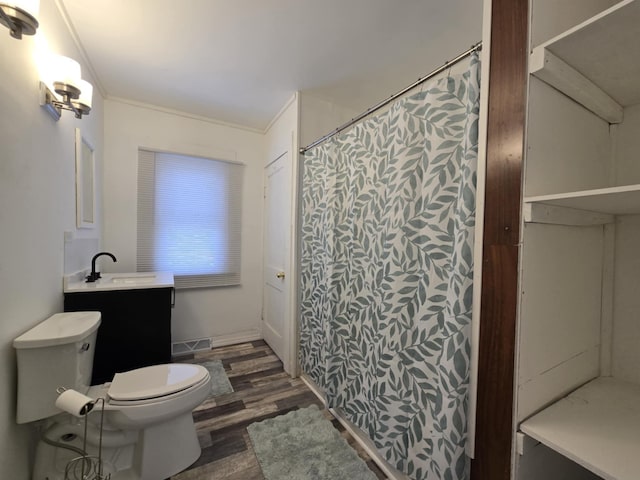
[[596, 426], [595, 63], [623, 200]]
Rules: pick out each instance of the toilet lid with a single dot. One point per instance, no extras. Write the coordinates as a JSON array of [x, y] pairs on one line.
[[155, 381]]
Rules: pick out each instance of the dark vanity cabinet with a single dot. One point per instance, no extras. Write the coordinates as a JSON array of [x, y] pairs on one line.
[[135, 330]]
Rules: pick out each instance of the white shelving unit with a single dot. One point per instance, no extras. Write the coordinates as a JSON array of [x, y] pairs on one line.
[[596, 63], [596, 426], [623, 200], [578, 386]]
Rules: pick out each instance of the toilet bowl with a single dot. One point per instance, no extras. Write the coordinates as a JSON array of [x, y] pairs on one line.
[[156, 402], [143, 422]]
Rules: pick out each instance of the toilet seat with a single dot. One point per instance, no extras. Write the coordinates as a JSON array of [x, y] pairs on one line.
[[154, 382], [150, 410]]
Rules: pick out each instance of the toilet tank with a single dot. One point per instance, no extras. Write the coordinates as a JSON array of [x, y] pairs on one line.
[[57, 352]]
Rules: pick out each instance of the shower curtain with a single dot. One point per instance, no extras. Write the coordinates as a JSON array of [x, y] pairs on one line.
[[386, 274]]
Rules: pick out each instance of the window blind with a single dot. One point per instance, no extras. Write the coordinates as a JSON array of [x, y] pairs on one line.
[[189, 218]]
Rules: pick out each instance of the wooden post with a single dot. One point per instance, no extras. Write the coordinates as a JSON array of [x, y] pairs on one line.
[[499, 296]]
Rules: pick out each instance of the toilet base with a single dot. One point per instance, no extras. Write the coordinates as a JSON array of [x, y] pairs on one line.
[[167, 448], [51, 462]]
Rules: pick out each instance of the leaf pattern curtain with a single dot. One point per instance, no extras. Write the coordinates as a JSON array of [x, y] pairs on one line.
[[388, 217]]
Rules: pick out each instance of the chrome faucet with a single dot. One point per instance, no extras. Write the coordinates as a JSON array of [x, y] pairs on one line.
[[93, 276]]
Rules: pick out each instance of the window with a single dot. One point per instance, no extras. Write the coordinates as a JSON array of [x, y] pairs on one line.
[[189, 212]]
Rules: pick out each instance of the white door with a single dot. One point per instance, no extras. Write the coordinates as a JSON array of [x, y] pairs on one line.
[[277, 240]]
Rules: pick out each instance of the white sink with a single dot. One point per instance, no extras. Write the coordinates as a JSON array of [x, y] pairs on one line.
[[118, 281], [132, 279]]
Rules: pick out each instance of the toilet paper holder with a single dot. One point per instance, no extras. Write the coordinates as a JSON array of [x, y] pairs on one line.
[[74, 402], [84, 467]]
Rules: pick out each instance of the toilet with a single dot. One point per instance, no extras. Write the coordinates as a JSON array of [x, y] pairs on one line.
[[147, 432]]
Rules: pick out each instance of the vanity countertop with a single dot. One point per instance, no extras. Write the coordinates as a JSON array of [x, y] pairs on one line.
[[118, 281]]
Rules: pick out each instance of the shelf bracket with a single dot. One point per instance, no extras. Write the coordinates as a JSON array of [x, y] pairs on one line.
[[552, 70], [554, 215], [524, 443]]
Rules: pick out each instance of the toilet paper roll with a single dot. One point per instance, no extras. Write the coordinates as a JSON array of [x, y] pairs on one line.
[[74, 403]]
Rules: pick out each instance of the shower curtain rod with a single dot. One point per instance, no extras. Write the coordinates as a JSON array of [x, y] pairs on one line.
[[369, 111]]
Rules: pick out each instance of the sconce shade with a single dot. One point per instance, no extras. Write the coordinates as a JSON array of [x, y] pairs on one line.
[[32, 7], [64, 74], [83, 104], [86, 93], [20, 16]]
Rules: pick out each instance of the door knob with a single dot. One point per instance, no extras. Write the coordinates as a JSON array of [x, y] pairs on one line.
[[280, 275]]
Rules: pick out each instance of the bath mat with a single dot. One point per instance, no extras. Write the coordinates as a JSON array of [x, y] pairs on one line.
[[220, 383], [303, 445]]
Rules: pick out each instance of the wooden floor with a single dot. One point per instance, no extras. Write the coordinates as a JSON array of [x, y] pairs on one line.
[[261, 390]]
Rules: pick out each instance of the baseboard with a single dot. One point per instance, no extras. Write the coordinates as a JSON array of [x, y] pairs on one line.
[[314, 388], [235, 338], [359, 436]]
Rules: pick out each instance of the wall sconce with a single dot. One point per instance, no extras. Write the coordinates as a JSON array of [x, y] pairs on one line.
[[71, 92], [20, 17]]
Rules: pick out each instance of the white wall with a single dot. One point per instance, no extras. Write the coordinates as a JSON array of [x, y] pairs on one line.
[[37, 205], [226, 314], [319, 117], [627, 144], [551, 17], [626, 334], [564, 138]]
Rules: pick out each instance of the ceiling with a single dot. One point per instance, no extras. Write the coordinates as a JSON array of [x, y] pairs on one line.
[[239, 61]]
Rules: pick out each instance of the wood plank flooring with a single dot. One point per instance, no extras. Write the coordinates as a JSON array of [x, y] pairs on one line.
[[261, 390]]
